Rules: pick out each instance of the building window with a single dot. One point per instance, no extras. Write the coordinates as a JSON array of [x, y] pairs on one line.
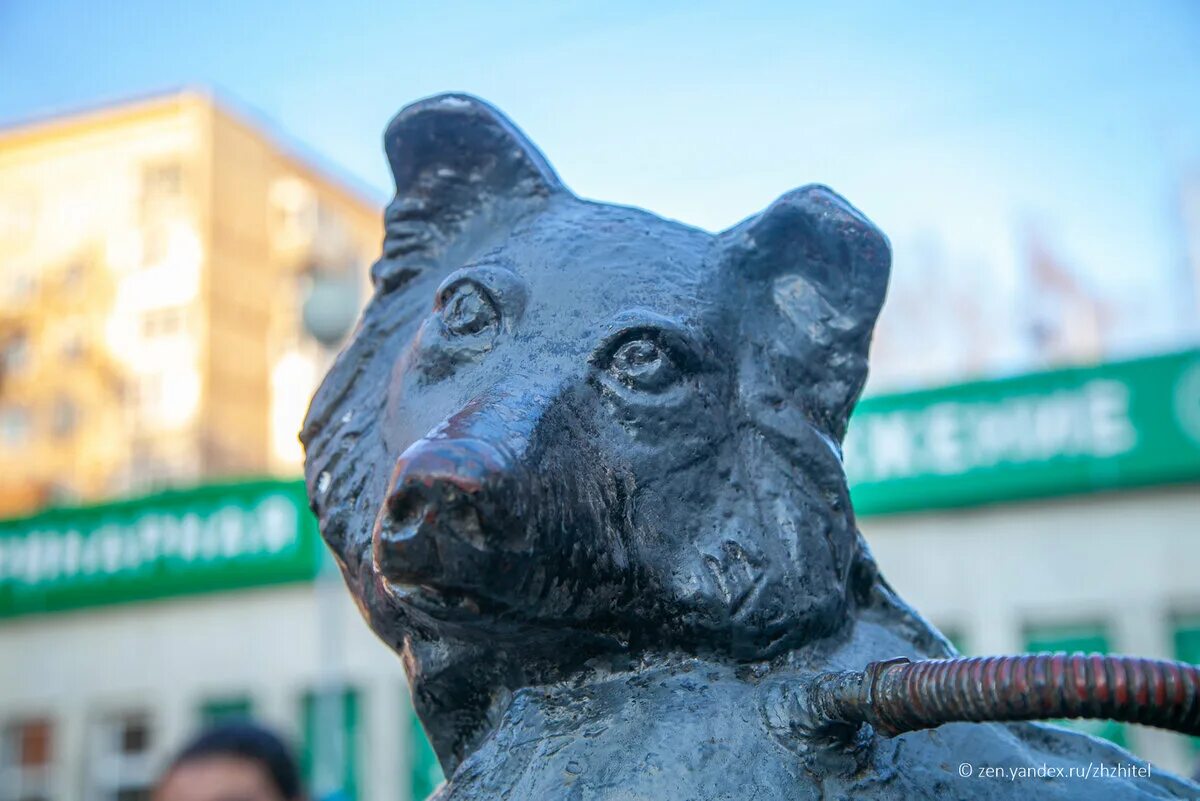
[[294, 212], [145, 393], [332, 748], [122, 767], [1187, 649], [71, 341], [225, 709], [161, 182], [14, 354], [1084, 638], [164, 322], [424, 771], [25, 760], [73, 276], [155, 242], [64, 417], [19, 286], [14, 425]]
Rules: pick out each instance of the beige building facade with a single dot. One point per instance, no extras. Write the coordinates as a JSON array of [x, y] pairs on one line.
[[154, 260]]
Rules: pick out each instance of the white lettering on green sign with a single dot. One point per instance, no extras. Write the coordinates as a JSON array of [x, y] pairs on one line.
[[140, 545], [954, 437]]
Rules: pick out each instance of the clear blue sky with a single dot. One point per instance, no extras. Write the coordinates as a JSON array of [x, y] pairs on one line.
[[946, 122]]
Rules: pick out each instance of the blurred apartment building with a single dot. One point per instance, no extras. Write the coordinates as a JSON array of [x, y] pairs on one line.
[[154, 259]]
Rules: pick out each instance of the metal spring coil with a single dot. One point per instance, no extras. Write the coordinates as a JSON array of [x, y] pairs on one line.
[[897, 696]]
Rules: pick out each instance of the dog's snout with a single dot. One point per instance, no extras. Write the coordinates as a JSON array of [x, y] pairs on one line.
[[436, 500], [455, 519], [450, 466]]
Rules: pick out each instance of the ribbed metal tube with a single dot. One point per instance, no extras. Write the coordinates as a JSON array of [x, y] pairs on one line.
[[897, 696]]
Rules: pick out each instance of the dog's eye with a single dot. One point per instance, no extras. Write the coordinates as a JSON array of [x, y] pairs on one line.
[[643, 364], [466, 309]]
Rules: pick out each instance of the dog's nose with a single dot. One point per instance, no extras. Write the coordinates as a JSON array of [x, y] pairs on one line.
[[433, 504]]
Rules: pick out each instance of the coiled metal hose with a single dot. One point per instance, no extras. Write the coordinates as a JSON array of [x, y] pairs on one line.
[[898, 696]]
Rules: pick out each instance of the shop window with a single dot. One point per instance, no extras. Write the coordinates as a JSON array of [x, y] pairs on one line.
[[329, 760], [1085, 638], [424, 771], [1187, 649], [121, 766], [26, 760], [223, 710]]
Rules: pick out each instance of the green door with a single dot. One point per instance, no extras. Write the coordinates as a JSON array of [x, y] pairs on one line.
[[330, 757], [223, 710], [1187, 649]]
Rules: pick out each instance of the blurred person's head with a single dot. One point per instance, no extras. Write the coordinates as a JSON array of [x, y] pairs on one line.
[[232, 762]]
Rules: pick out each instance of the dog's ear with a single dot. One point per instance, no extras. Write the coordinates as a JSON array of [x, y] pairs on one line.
[[811, 272], [464, 175]]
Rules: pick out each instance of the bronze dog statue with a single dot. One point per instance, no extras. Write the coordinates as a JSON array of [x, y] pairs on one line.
[[581, 468]]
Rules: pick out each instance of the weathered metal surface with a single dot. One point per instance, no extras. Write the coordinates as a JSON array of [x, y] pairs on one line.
[[899, 696], [581, 468]]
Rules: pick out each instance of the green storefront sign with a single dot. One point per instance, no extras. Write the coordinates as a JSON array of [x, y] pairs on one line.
[[216, 537], [1123, 424]]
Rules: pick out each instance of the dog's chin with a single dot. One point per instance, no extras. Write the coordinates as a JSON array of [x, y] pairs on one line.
[[444, 601]]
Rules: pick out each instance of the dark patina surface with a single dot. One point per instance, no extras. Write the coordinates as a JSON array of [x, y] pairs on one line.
[[581, 468]]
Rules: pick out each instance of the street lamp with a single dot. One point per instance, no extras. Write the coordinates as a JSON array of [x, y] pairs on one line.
[[329, 310], [330, 305]]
